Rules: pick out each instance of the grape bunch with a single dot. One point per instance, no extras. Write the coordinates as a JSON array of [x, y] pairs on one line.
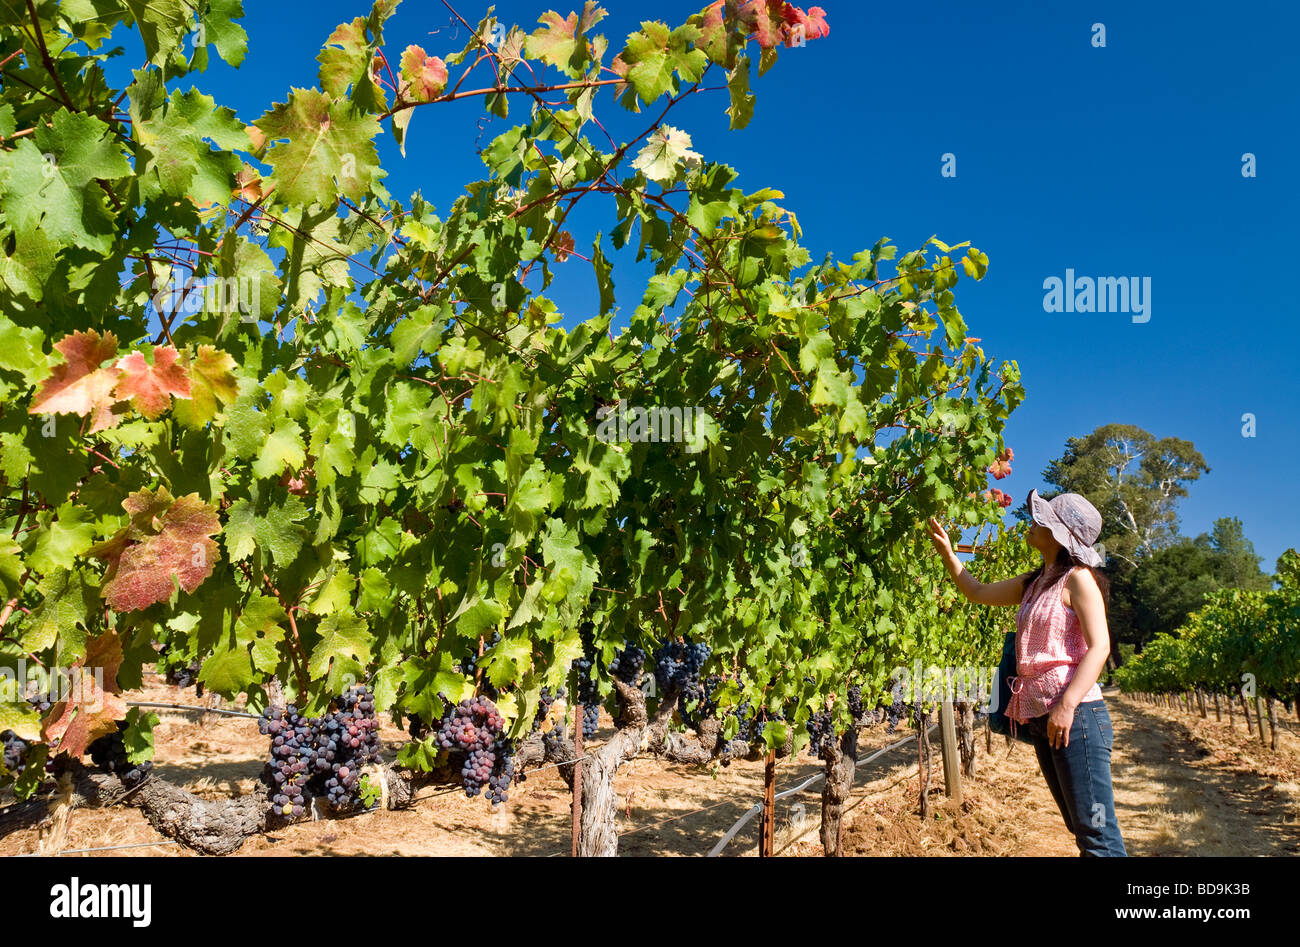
[[346, 740], [894, 712], [321, 755], [551, 740], [707, 706], [474, 729], [821, 728], [544, 703], [855, 702], [185, 676], [15, 752], [589, 697], [752, 724], [677, 665], [627, 665], [293, 754], [109, 754]]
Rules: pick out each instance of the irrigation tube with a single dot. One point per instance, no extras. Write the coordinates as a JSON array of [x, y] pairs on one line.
[[754, 810], [189, 707]]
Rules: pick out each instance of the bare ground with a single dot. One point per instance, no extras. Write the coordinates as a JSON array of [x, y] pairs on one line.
[[1184, 786]]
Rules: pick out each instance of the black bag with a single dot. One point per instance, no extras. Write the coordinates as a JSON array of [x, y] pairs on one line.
[[999, 722]]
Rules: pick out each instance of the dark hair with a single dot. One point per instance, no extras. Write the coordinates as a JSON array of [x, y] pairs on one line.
[[1065, 562]]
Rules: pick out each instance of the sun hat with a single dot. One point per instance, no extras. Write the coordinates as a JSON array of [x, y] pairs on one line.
[[1074, 522]]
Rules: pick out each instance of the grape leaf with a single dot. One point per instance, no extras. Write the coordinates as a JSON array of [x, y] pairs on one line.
[[68, 599], [559, 42], [79, 385], [323, 147], [344, 636], [62, 539], [51, 184], [95, 707], [212, 380], [151, 387], [282, 449], [663, 151], [166, 539], [218, 27], [424, 76]]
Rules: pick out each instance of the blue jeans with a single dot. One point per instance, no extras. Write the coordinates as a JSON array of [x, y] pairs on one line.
[[1079, 777]]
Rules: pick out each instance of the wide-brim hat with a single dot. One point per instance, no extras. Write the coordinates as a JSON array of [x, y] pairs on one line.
[[1072, 520]]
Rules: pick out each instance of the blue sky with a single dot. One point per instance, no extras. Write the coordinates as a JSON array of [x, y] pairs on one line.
[[1116, 161]]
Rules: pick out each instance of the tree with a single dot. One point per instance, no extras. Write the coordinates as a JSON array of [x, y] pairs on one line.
[[1233, 560], [1134, 479], [1158, 594]]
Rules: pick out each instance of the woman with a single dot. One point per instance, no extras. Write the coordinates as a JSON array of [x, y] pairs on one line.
[[1061, 646]]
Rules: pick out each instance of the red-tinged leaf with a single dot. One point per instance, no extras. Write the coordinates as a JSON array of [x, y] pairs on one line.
[[425, 76], [562, 246], [812, 24], [713, 30], [620, 68], [92, 706], [166, 540], [80, 386], [151, 387], [248, 184], [765, 21]]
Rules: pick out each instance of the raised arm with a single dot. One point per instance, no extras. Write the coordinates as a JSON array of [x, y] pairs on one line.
[[1006, 592]]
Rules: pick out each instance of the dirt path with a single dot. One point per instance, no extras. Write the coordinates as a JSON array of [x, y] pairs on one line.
[[1183, 786], [1187, 786]]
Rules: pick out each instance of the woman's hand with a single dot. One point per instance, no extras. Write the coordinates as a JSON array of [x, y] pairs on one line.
[[1059, 722], [939, 536]]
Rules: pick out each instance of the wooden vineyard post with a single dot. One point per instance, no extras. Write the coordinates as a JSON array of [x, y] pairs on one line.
[[1245, 709], [1272, 724], [951, 754], [767, 826], [1259, 718], [1200, 702], [1217, 715], [577, 777]]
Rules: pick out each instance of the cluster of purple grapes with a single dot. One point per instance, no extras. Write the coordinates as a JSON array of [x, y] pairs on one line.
[[15, 752], [15, 747], [351, 733], [186, 675], [707, 705], [474, 728], [894, 711], [677, 666], [856, 708], [589, 697], [821, 728], [544, 703], [321, 755], [752, 724], [293, 754], [628, 664], [109, 754]]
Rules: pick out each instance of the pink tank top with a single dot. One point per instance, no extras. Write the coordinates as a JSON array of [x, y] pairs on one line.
[[1049, 647]]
